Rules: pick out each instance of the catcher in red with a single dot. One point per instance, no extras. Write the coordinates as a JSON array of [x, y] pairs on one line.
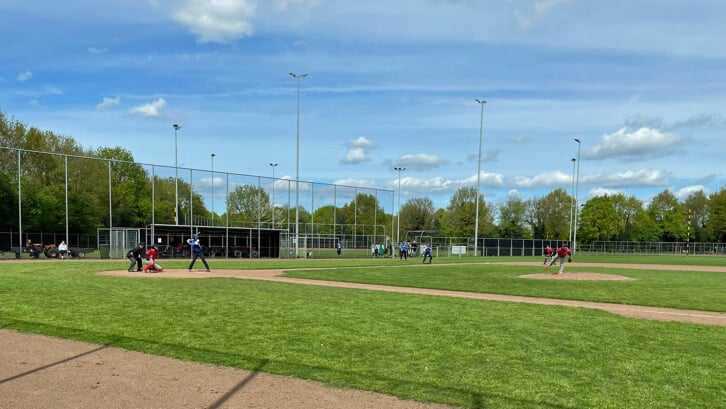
[[563, 252], [151, 266]]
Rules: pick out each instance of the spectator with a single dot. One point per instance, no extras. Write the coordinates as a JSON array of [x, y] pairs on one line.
[[63, 249]]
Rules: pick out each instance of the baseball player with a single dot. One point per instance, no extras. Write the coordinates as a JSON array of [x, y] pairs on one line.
[[561, 253]]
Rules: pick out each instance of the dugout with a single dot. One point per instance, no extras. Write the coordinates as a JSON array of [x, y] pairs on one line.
[[231, 242]]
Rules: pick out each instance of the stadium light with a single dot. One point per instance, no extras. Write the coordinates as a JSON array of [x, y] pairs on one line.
[[297, 164], [176, 176], [398, 229], [478, 174]]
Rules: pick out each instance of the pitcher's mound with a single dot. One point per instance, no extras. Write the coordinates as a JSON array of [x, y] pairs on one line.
[[578, 276]]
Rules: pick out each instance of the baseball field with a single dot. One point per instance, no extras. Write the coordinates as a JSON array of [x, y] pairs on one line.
[[612, 332]]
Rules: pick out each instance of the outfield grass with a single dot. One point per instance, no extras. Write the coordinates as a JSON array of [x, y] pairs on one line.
[[662, 288], [470, 353]]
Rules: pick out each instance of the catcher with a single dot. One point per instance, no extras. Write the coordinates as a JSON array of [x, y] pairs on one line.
[[151, 255], [563, 252]]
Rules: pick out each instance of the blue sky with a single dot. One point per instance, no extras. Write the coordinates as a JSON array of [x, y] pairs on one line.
[[391, 83]]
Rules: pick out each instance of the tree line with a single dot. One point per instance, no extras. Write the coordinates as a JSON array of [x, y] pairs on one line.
[[613, 217]]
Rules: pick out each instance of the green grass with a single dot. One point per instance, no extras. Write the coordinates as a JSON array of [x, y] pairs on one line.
[[474, 354], [676, 289]]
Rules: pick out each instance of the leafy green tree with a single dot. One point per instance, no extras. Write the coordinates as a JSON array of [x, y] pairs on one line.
[[130, 187], [328, 219], [549, 216], [363, 212], [418, 214], [645, 229], [535, 217], [626, 208], [461, 214], [669, 214], [696, 209], [249, 204], [513, 220], [716, 227], [599, 220], [8, 203]]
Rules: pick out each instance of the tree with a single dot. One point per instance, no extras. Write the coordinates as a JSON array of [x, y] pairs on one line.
[[696, 205], [461, 214], [555, 208], [645, 229], [418, 214], [364, 212], [716, 227], [512, 219], [599, 220], [249, 204], [535, 217], [668, 213], [130, 187], [626, 208]]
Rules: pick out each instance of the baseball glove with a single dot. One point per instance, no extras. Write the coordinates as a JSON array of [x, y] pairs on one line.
[[569, 259]]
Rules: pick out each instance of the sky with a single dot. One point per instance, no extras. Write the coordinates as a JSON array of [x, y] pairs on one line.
[[641, 84]]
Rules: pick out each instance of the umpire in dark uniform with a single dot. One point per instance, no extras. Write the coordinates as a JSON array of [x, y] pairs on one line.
[[135, 255]]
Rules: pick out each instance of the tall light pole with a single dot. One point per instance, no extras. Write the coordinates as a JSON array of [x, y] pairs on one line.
[[176, 176], [577, 207], [478, 173], [297, 164], [398, 228], [212, 156], [572, 204], [273, 165]]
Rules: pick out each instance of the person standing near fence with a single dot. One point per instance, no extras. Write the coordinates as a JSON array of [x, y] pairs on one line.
[[197, 252], [563, 252]]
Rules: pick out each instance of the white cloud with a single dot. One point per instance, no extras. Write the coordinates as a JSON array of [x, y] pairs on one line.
[[150, 110], [355, 156], [628, 179], [683, 193], [644, 142], [108, 103], [420, 161], [24, 76], [356, 182], [219, 21], [361, 142], [358, 150], [547, 179]]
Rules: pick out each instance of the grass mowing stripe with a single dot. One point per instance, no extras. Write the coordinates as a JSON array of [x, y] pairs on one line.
[[464, 352], [675, 289]]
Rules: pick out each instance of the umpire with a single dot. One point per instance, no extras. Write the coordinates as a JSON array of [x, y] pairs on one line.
[[134, 255]]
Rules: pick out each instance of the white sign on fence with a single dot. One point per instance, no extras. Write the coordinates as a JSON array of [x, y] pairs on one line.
[[458, 250]]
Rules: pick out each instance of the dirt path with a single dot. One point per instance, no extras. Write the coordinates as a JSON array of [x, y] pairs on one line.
[[43, 372]]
